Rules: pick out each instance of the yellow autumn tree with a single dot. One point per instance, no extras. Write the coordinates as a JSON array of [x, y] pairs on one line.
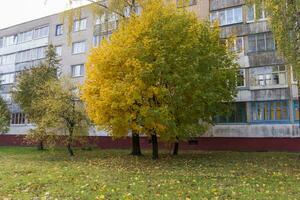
[[156, 76]]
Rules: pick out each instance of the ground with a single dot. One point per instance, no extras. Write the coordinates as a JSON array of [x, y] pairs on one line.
[[26, 173]]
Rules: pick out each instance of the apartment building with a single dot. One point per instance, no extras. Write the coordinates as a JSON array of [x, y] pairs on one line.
[[23, 46], [266, 103]]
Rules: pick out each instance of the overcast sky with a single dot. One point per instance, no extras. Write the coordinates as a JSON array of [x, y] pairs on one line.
[[17, 11]]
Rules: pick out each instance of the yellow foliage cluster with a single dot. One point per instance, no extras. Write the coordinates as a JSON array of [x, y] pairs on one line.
[[152, 70]]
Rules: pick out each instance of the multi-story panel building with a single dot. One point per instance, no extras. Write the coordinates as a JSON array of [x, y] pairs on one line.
[[265, 105], [23, 46]]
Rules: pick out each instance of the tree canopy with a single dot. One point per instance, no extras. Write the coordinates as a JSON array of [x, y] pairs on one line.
[[31, 79], [64, 117], [25, 92], [163, 72]]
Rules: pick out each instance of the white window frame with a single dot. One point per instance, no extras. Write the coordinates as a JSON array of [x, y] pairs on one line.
[[24, 35], [74, 70], [233, 10], [265, 41], [264, 18], [9, 80], [58, 50], [264, 75], [78, 25], [12, 61], [76, 43], [39, 36], [293, 75], [234, 44]]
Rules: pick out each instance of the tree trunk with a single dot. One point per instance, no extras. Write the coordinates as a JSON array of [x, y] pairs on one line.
[[154, 146], [70, 140], [40, 145], [176, 147], [70, 150], [136, 147]]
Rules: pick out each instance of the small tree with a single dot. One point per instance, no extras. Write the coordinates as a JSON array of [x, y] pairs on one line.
[[4, 117], [159, 84], [25, 92], [64, 120]]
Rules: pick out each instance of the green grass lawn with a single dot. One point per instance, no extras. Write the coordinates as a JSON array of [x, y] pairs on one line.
[[112, 174]]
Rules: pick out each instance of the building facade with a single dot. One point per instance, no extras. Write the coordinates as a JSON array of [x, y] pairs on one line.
[[266, 103]]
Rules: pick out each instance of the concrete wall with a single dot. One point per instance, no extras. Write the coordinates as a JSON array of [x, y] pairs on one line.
[[255, 130]]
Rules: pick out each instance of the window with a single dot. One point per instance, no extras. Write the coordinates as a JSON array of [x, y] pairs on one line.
[[250, 13], [241, 78], [261, 42], [107, 22], [238, 114], [7, 98], [8, 59], [7, 78], [270, 111], [228, 16], [251, 43], [256, 12], [10, 40], [1, 42], [97, 39], [77, 70], [23, 56], [293, 71], [25, 36], [58, 50], [59, 29], [80, 25], [78, 47], [269, 75], [41, 52], [31, 54], [236, 44], [296, 110], [41, 32], [17, 118]]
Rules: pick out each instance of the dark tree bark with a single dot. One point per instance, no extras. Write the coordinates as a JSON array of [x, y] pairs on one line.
[[70, 140], [176, 147], [154, 146], [70, 150], [136, 147], [40, 145]]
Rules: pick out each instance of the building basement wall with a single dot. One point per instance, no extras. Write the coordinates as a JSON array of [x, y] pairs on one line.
[[202, 143]]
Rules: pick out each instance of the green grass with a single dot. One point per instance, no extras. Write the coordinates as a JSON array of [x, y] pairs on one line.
[[112, 174]]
